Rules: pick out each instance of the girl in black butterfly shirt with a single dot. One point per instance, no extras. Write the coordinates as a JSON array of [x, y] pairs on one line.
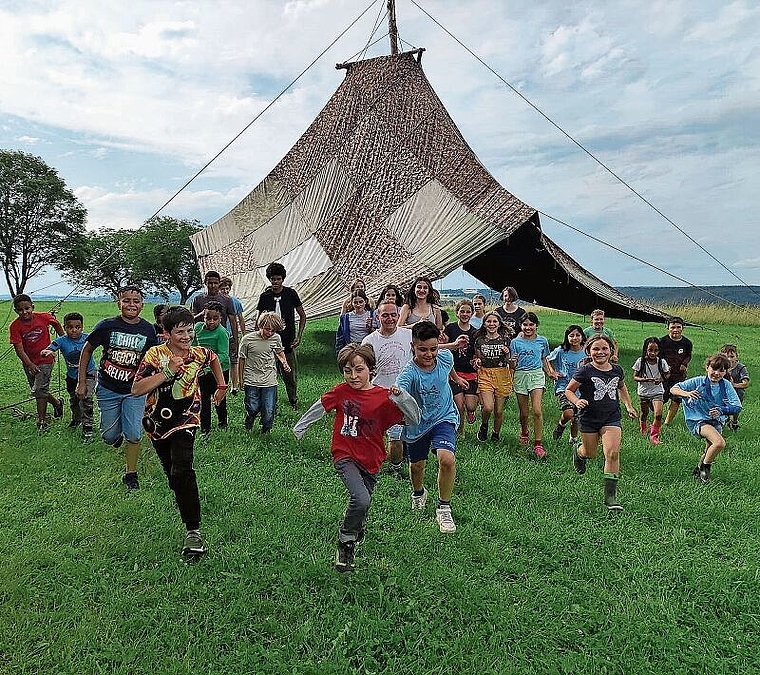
[[600, 385]]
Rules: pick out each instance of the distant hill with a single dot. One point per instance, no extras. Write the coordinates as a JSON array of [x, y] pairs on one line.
[[657, 295], [669, 295]]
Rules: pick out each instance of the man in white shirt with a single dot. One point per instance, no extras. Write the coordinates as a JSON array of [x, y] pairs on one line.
[[393, 349]]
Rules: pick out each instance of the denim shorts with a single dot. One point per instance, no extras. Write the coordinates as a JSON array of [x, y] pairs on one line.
[[442, 436], [120, 415], [696, 427]]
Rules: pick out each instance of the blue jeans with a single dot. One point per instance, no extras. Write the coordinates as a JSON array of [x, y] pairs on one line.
[[261, 400], [120, 415]]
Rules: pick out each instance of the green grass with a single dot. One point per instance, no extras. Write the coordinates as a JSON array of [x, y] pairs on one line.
[[537, 578]]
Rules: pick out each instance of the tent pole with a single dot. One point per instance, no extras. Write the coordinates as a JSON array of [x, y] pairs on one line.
[[392, 29]]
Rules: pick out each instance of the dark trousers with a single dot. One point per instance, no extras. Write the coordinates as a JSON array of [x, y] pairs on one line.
[[81, 408], [290, 379], [360, 485], [176, 455], [207, 384]]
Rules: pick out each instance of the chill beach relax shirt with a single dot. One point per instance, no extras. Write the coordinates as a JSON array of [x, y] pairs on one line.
[[124, 345]]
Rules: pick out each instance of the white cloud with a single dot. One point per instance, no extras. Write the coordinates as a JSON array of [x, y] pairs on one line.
[[28, 140], [135, 97]]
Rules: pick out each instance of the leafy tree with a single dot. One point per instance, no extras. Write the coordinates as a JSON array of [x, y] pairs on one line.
[[99, 259], [39, 215], [161, 254]]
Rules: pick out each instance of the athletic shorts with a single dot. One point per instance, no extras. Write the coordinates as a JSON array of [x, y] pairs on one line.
[[497, 381], [696, 427], [649, 399], [441, 436], [675, 379], [39, 383], [472, 390], [563, 402], [525, 381], [394, 432], [591, 424]]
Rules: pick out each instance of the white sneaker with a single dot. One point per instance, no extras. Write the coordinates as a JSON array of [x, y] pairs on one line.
[[418, 503], [445, 519]]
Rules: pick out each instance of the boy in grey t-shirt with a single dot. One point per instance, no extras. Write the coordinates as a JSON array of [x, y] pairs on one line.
[[259, 352]]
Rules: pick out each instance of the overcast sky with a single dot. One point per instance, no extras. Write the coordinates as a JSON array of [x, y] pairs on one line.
[[128, 100]]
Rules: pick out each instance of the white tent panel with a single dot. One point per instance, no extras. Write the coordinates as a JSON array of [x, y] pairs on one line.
[[323, 196]]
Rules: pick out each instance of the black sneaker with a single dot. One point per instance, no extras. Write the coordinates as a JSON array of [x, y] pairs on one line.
[[74, 424], [294, 405], [495, 437], [130, 480], [43, 427], [579, 463], [702, 471], [483, 433], [193, 546], [344, 557], [558, 431]]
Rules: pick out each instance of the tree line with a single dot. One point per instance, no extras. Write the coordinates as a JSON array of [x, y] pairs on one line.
[[42, 223]]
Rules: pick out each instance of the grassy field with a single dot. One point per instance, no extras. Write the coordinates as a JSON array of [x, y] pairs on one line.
[[538, 577]]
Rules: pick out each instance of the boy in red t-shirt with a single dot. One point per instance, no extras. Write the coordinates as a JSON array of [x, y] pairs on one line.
[[364, 412], [29, 336]]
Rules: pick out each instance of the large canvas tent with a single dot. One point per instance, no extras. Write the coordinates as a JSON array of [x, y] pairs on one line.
[[383, 186]]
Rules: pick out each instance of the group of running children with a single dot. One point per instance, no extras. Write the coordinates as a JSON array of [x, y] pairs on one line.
[[165, 379]]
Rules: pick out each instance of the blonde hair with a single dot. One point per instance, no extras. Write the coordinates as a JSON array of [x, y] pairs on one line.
[[597, 312], [270, 320]]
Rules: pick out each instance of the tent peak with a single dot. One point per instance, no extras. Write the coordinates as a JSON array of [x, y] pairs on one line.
[[413, 52]]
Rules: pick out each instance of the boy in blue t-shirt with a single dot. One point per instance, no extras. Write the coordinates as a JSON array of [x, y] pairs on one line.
[[426, 379], [70, 345]]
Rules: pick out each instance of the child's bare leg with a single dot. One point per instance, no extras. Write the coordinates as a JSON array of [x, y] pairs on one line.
[[417, 474], [610, 437], [589, 446], [446, 473], [657, 409], [498, 412], [611, 447], [715, 442], [459, 403], [486, 407], [471, 402], [41, 409], [522, 404], [644, 415], [672, 410], [538, 414], [396, 451]]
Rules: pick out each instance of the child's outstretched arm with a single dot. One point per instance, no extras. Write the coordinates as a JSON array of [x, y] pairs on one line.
[[221, 385], [24, 358], [570, 390], [625, 397], [407, 405], [549, 370], [312, 415], [283, 361]]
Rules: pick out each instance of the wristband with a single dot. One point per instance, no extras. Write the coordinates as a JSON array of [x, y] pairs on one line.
[[221, 386], [168, 374]]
